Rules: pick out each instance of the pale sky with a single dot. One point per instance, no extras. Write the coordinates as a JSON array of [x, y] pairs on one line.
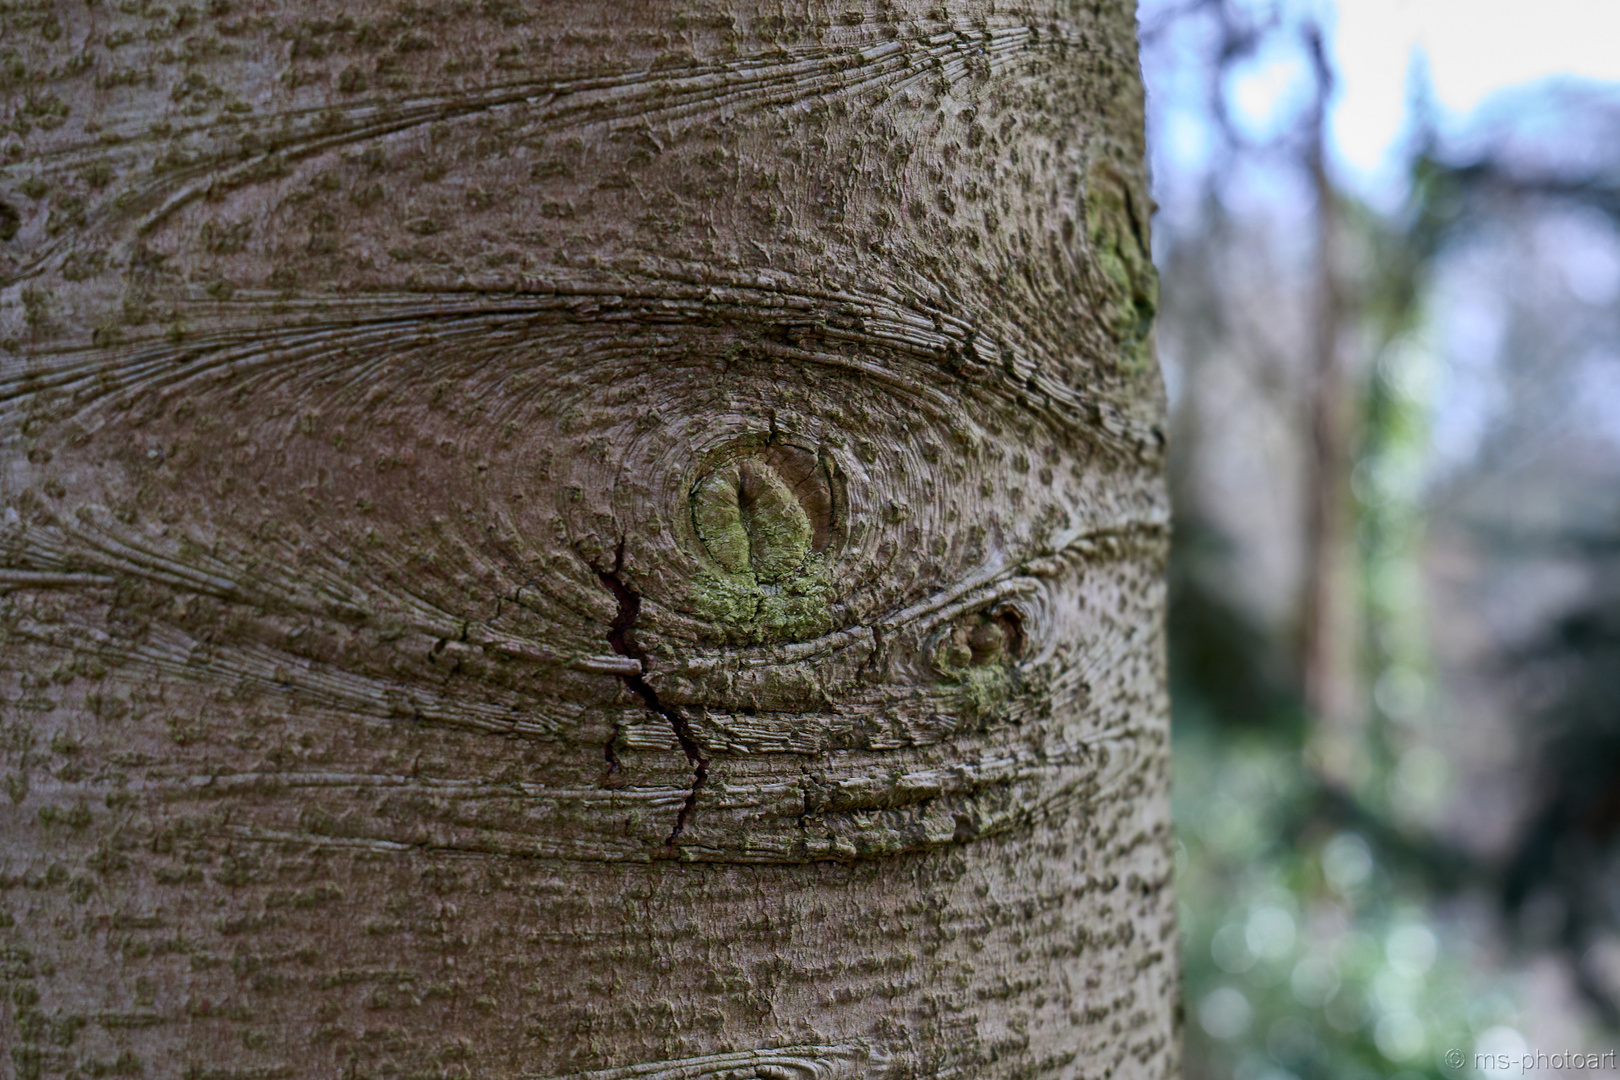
[[1472, 48]]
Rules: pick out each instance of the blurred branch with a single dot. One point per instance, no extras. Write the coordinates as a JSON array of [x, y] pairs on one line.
[[1445, 867], [1519, 543], [1150, 34]]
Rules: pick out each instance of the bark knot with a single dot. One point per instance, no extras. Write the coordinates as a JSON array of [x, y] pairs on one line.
[[765, 515], [766, 521]]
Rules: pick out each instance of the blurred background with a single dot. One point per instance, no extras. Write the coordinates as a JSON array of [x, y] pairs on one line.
[[1390, 325]]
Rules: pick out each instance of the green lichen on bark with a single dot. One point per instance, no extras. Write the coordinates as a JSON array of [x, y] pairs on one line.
[[1116, 224], [978, 656], [768, 582]]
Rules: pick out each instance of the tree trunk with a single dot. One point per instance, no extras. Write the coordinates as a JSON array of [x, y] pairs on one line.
[[580, 539], [1328, 660]]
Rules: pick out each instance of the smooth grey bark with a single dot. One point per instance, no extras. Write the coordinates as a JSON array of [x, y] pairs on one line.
[[580, 539]]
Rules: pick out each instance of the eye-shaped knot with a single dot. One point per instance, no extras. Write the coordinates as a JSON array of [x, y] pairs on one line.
[[981, 640], [765, 515], [767, 521]]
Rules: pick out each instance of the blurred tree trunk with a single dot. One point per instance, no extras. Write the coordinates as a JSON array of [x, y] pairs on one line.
[[1329, 660], [580, 539]]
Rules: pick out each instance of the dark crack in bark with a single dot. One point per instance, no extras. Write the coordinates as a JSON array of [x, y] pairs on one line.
[[621, 637]]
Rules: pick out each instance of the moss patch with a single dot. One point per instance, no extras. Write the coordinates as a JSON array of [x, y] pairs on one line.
[[761, 522], [1116, 223]]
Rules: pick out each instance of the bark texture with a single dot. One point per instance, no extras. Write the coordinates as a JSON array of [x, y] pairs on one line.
[[580, 539]]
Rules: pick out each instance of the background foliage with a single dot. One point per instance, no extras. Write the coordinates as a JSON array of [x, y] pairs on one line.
[[1433, 864]]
